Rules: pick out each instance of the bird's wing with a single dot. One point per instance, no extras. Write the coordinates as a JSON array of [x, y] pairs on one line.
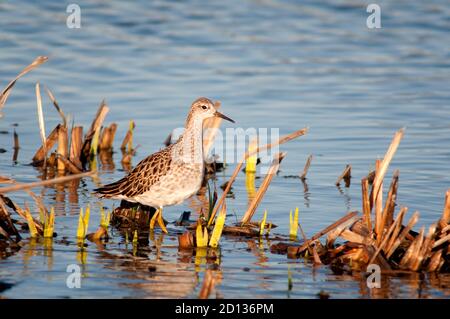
[[148, 172]]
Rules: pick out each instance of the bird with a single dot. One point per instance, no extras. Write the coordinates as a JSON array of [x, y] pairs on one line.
[[174, 173]]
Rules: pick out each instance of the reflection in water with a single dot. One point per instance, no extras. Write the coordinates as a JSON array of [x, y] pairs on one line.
[[346, 195], [306, 192]]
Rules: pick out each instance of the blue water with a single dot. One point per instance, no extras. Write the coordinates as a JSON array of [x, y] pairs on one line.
[[273, 64]]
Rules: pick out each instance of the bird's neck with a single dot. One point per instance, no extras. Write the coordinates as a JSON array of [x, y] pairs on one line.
[[191, 142]]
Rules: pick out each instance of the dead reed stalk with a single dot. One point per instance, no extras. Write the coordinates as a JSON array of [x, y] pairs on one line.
[[7, 90], [76, 144], [306, 168], [107, 137], [103, 109], [40, 154], [62, 148], [247, 154], [57, 180], [263, 188], [346, 176]]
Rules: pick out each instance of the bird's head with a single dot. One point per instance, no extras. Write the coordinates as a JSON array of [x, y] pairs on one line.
[[204, 108]]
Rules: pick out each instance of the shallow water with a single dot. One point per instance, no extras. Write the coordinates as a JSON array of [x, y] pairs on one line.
[[272, 64]]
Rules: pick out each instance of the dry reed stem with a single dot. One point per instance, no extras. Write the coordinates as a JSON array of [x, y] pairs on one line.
[[326, 231], [103, 109], [445, 219], [107, 137], [21, 213], [5, 93], [441, 241], [57, 180], [56, 105], [208, 285], [412, 251], [398, 225], [306, 168], [41, 121], [389, 207], [62, 148], [210, 127], [353, 237], [435, 261], [40, 154], [403, 234], [346, 174], [338, 230], [76, 144], [263, 188], [68, 165], [366, 202], [378, 200], [128, 137], [7, 218], [379, 176], [387, 236], [238, 168], [425, 250]]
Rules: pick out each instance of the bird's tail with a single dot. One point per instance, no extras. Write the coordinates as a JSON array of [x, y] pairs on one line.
[[110, 190]]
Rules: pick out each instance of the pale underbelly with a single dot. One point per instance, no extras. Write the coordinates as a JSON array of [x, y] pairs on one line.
[[170, 190]]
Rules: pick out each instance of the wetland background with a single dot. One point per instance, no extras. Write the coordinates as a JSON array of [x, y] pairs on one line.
[[274, 64]]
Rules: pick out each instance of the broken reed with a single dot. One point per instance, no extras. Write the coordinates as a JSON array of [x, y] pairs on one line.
[[247, 154], [382, 239]]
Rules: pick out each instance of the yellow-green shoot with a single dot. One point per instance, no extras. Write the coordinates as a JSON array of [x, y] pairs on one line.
[[218, 227], [49, 224], [263, 224], [293, 224]]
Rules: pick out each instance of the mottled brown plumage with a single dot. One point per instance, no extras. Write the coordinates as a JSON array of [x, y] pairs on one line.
[[174, 173]]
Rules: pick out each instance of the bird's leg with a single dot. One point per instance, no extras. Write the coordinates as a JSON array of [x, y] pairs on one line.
[[161, 221], [158, 217], [153, 220]]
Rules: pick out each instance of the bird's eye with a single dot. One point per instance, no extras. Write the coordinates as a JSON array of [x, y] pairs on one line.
[[204, 107]]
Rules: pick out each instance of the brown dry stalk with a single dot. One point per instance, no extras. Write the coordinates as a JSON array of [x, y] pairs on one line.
[[306, 168], [403, 234], [441, 241], [326, 231], [57, 107], [387, 236], [346, 174], [397, 229], [50, 141], [425, 250], [76, 143], [103, 109], [247, 154], [107, 137], [57, 180], [413, 251], [366, 202], [128, 138], [208, 285], [445, 219], [62, 147], [389, 207], [263, 188], [68, 165], [5, 93], [379, 176], [338, 230], [378, 200]]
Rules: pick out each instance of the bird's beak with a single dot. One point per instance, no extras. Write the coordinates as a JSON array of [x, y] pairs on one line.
[[218, 114]]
